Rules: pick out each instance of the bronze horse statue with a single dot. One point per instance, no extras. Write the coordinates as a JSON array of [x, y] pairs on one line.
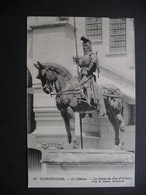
[[71, 97]]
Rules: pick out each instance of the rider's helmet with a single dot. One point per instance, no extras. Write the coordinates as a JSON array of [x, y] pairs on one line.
[[87, 47]]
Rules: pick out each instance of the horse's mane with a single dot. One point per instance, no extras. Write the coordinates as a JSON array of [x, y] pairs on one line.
[[59, 69]]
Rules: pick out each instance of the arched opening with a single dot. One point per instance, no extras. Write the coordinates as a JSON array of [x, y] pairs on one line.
[[31, 123]]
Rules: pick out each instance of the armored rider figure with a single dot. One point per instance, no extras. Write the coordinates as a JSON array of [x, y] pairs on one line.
[[89, 64]]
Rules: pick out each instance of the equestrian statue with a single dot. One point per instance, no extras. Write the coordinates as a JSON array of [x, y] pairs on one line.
[[82, 94]]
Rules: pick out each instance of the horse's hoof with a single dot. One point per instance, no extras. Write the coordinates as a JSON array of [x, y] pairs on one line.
[[76, 144], [118, 147], [67, 146], [122, 142], [71, 146], [115, 147]]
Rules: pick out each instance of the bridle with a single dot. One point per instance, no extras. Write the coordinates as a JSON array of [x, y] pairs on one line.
[[50, 84]]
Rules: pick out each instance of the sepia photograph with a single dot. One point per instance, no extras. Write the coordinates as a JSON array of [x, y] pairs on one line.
[[81, 116]]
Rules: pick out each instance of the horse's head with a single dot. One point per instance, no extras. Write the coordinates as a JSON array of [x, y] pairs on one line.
[[47, 77]]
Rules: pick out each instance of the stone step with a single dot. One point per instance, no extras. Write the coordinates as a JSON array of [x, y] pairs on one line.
[[86, 159]]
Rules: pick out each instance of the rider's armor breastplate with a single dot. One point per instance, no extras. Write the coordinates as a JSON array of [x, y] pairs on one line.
[[85, 61]]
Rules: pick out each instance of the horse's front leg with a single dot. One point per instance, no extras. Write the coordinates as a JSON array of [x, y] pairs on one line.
[[67, 126], [71, 117]]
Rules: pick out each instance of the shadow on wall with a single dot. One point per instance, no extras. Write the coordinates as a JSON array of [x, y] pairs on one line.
[[34, 160]]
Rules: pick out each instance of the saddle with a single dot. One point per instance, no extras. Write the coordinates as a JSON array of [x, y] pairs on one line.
[[77, 95]]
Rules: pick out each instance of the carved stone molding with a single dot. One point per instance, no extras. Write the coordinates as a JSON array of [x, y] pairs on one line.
[[52, 146]]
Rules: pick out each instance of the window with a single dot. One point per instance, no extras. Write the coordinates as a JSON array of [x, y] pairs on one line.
[[132, 114], [118, 35], [63, 18], [94, 28]]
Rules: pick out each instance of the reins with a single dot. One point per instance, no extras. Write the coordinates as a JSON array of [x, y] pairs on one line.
[[70, 91], [81, 86]]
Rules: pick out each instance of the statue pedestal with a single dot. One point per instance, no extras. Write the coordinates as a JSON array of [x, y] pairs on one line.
[[84, 168], [87, 160]]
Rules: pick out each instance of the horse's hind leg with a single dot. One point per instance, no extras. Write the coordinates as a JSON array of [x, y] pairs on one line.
[[115, 124], [121, 121]]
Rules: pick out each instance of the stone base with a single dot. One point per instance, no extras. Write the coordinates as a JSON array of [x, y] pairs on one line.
[[84, 168], [90, 160]]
